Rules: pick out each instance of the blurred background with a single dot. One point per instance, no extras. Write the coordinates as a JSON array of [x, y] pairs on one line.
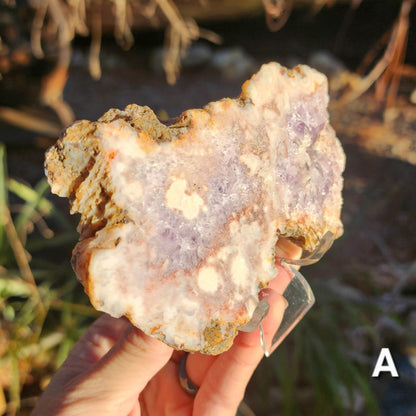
[[62, 60]]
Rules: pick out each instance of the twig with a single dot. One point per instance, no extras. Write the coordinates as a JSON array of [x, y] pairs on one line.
[[59, 14], [122, 30], [345, 22], [391, 74], [277, 13], [40, 311], [79, 18], [149, 10], [408, 71], [36, 30], [21, 259], [53, 84], [179, 36], [389, 63], [373, 52], [96, 33], [366, 82], [58, 304], [26, 121]]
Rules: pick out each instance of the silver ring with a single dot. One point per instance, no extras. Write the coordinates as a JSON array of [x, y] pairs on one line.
[[184, 380]]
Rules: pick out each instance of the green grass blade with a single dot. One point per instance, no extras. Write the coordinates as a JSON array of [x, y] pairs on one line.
[[68, 238], [3, 198], [33, 198], [32, 203], [14, 287]]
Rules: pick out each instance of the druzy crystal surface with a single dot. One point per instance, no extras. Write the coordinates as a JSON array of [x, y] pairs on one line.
[[179, 221]]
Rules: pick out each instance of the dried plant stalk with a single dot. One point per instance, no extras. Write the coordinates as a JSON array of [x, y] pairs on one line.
[[96, 32], [387, 72], [277, 13]]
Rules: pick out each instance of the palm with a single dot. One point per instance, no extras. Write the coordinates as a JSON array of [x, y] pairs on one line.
[[115, 369]]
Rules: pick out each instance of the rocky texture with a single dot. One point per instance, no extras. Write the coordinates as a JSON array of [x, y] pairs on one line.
[[179, 222]]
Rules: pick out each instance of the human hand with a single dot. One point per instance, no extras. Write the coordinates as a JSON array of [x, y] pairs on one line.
[[115, 369]]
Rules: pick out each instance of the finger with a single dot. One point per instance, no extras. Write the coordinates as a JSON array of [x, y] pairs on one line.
[[227, 378], [271, 322], [136, 410], [197, 366], [131, 363], [164, 395], [94, 344], [99, 338], [282, 279], [287, 249], [111, 385]]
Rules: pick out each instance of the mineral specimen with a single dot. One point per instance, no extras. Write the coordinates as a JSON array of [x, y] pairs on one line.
[[179, 221]]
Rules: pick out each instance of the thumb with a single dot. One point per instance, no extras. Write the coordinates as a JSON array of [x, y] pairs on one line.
[[131, 363]]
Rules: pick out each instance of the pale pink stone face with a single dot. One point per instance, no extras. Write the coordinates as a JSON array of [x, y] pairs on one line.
[[179, 233]]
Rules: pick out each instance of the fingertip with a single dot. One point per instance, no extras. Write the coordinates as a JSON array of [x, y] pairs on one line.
[[133, 361], [135, 341], [287, 249]]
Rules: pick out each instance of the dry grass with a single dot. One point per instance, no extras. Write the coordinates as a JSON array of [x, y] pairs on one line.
[[41, 309], [56, 22], [390, 68]]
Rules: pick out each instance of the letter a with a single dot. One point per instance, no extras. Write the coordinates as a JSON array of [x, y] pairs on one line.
[[389, 367]]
